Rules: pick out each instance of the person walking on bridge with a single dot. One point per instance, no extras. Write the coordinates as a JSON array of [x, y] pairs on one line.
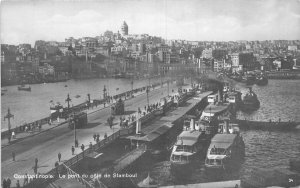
[[13, 156], [59, 156], [82, 147], [8, 182], [73, 150], [36, 161]]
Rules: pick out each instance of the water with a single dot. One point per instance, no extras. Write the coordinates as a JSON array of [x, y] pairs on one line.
[[30, 106], [270, 150]]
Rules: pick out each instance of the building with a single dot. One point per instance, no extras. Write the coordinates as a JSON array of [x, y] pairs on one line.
[[242, 62], [163, 53], [124, 29], [219, 54], [219, 65], [46, 69], [292, 48]]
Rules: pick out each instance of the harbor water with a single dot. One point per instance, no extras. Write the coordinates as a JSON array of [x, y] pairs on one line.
[[268, 150], [31, 106]]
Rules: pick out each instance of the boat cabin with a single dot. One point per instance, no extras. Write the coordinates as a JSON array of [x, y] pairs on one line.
[[186, 146], [212, 98]]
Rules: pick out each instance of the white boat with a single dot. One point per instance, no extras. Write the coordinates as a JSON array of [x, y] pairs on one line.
[[226, 148], [188, 147]]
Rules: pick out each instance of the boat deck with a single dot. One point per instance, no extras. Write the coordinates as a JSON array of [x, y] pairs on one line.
[[211, 108]]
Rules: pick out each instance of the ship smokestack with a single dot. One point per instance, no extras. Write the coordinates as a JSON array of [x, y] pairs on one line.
[[192, 125], [226, 126], [219, 96]]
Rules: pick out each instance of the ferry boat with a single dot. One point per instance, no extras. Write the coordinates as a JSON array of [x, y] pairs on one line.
[[226, 149], [189, 145], [209, 119], [24, 88], [250, 102]]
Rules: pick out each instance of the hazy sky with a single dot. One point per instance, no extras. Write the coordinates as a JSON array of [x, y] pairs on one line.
[[29, 20]]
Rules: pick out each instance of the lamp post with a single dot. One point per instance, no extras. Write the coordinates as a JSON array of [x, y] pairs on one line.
[[68, 100], [132, 87], [168, 87], [147, 91], [8, 116]]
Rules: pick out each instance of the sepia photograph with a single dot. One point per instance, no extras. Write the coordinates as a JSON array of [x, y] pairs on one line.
[[150, 93]]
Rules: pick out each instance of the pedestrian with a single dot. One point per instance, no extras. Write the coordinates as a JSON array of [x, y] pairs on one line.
[[35, 169], [76, 143], [8, 183], [91, 146], [56, 164], [105, 136], [36, 161], [94, 136], [13, 135], [73, 150], [13, 156], [82, 147], [4, 183], [18, 184], [59, 156], [98, 138], [25, 182]]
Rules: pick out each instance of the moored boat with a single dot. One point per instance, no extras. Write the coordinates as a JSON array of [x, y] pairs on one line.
[[261, 80], [187, 149], [24, 88], [250, 102], [227, 148], [208, 121]]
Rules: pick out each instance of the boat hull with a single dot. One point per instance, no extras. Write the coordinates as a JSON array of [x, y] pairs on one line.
[[24, 89], [262, 82]]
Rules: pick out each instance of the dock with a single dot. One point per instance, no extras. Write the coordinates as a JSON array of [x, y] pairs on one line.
[[268, 126]]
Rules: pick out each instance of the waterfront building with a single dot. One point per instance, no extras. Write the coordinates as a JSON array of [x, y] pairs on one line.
[[219, 65], [242, 62], [124, 28]]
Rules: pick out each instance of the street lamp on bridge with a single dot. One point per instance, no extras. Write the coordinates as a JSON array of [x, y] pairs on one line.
[[8, 116]]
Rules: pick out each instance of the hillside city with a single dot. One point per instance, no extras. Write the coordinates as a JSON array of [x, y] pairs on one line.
[[124, 55]]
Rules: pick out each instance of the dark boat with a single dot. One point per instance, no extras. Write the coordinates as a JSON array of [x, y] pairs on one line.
[[250, 102], [261, 80], [24, 88]]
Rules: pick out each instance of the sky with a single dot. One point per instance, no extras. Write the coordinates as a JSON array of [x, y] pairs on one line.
[[25, 21]]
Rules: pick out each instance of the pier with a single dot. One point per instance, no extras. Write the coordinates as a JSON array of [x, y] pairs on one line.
[[268, 125]]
